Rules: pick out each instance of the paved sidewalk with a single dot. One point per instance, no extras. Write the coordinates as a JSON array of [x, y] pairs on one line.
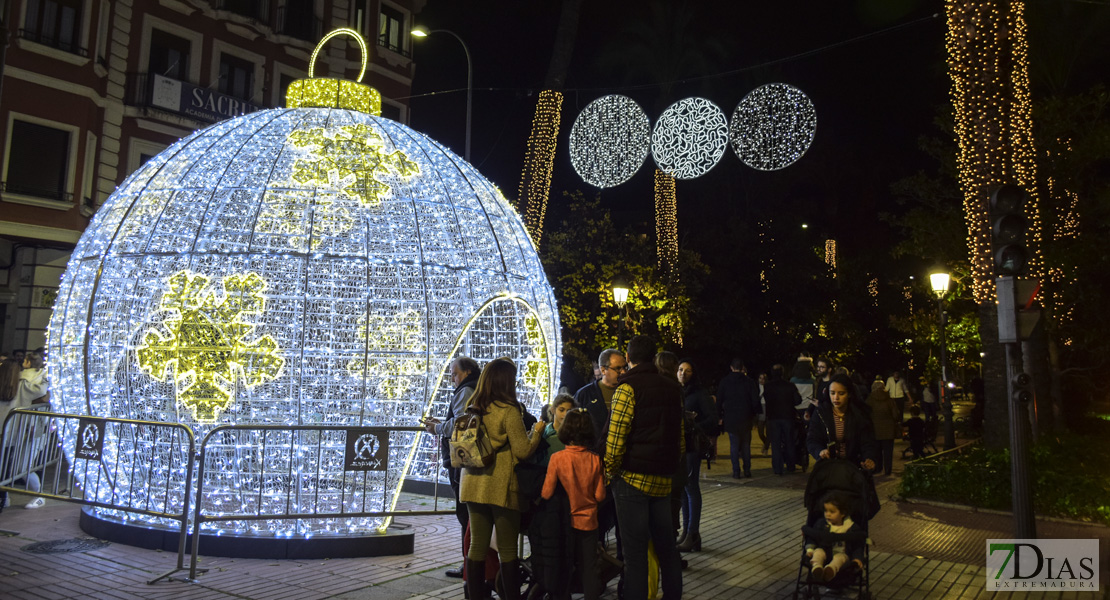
[[751, 548]]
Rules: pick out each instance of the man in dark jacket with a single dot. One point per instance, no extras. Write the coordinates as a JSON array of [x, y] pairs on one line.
[[738, 403], [597, 397], [464, 374], [643, 449], [781, 397]]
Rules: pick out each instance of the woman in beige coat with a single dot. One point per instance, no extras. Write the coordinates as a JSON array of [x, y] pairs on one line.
[[490, 493], [884, 415]]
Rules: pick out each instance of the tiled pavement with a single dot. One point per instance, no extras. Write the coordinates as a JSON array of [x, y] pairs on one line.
[[751, 544]]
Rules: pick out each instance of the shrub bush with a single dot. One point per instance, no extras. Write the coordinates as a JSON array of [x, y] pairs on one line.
[[1066, 473]]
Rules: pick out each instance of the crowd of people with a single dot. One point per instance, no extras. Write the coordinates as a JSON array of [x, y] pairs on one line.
[[23, 383], [625, 452]]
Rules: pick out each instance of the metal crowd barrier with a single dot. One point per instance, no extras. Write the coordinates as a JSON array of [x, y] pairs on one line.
[[102, 475], [251, 473]]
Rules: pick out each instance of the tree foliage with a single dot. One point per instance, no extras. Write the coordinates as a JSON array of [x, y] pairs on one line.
[[584, 254]]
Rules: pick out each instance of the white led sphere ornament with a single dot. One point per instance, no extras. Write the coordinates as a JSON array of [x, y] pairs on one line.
[[773, 126], [689, 138], [609, 141], [308, 265]]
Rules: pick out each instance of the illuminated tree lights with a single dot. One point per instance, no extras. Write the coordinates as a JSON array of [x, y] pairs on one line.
[[666, 223], [988, 64], [539, 162], [293, 266], [689, 138], [609, 141], [772, 127]]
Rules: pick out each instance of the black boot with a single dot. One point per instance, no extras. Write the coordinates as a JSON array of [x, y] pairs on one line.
[[510, 580], [476, 580]]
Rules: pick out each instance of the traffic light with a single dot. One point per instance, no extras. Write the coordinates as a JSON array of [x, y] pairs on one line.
[[1020, 384], [1008, 227], [1018, 309]]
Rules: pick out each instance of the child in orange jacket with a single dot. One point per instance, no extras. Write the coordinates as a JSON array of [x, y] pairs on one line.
[[579, 471]]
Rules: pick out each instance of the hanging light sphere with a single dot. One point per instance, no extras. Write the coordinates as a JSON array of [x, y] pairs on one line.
[[316, 264], [609, 141], [772, 127], [689, 138]]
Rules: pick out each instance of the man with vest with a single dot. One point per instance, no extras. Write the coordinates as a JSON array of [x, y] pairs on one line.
[[642, 452], [464, 374]]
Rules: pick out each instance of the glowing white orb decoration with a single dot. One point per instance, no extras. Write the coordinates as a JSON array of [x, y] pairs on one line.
[[773, 126], [689, 138], [294, 266], [609, 141]]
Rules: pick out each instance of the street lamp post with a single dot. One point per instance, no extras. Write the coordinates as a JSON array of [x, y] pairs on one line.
[[422, 33], [939, 281], [620, 298]]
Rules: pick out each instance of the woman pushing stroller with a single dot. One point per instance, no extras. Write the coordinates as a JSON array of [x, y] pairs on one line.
[[843, 428]]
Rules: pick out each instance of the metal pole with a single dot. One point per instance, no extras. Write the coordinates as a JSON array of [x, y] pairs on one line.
[[1025, 526], [469, 86], [946, 404]]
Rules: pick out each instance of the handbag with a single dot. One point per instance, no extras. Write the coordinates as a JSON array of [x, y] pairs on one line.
[[470, 445], [696, 439]]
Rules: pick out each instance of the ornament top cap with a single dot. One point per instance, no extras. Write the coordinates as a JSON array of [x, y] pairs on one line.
[[325, 92]]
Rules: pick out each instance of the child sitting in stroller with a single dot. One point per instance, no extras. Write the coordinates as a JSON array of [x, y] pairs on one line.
[[836, 520]]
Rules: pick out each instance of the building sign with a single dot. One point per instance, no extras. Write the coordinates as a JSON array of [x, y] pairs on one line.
[[367, 449], [197, 102], [90, 438]]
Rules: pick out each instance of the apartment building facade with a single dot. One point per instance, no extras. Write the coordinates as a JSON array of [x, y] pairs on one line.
[[91, 89]]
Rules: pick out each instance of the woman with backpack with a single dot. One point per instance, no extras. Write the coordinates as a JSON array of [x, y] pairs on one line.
[[491, 493]]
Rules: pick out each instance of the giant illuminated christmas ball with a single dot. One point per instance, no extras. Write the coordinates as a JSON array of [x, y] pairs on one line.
[[316, 264]]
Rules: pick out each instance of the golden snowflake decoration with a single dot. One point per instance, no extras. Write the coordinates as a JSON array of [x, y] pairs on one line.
[[535, 366], [348, 160], [204, 337], [402, 332], [340, 164]]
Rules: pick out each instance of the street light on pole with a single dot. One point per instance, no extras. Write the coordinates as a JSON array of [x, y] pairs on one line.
[[620, 298], [939, 281], [420, 32]]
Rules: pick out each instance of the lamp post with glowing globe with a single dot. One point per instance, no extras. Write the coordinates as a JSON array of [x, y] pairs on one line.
[[939, 280], [620, 298]]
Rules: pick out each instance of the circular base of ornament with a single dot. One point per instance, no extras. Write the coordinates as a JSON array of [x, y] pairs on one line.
[[394, 542]]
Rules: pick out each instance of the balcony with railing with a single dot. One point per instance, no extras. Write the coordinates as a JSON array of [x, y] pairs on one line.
[[153, 91], [35, 191], [258, 10], [63, 43], [300, 24]]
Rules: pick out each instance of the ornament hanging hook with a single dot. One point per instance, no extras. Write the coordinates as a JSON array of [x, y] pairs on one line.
[[342, 31]]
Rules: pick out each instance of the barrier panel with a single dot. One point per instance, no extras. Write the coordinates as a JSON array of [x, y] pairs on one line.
[[140, 481], [337, 480]]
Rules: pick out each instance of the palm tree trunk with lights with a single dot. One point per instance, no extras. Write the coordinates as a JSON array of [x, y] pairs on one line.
[[666, 226], [988, 64], [539, 158]]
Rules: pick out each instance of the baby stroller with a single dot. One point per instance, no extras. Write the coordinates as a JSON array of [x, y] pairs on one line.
[[801, 452], [843, 476]]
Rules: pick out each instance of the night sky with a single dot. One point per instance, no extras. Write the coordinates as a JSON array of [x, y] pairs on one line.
[[873, 69]]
